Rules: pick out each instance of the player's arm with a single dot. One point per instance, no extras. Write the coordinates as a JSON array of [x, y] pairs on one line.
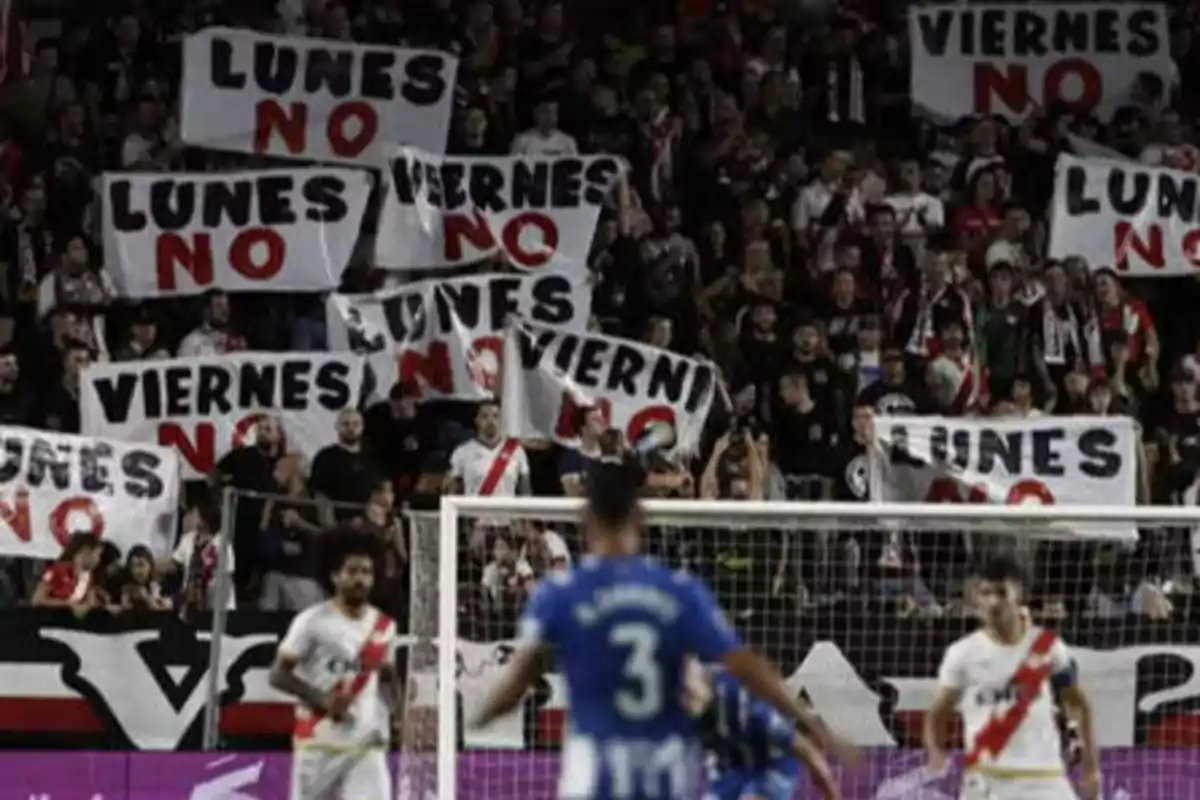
[[817, 766], [283, 677], [715, 641], [951, 685], [1065, 679], [531, 653]]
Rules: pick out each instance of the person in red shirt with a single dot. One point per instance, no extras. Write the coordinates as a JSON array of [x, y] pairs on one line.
[[69, 582], [1125, 319], [978, 220]]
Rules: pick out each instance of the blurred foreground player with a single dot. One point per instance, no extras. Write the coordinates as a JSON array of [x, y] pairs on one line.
[[337, 661], [623, 627], [753, 752], [1003, 678]]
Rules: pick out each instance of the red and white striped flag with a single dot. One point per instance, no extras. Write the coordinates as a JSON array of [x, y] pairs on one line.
[[14, 43]]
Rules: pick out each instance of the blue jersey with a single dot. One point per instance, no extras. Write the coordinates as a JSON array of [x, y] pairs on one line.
[[623, 628], [749, 744]]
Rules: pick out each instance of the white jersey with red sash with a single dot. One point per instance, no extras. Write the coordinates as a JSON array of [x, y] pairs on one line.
[[487, 470], [1009, 723], [344, 654]]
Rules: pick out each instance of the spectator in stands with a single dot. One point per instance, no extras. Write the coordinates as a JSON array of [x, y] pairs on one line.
[[575, 461], [194, 560], [398, 435], [214, 335], [507, 578], [379, 518], [489, 464], [141, 590], [16, 401], [143, 343], [61, 400], [343, 476], [70, 581], [290, 541], [544, 138]]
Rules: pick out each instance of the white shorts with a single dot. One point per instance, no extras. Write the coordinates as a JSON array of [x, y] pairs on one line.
[[331, 775], [977, 786]]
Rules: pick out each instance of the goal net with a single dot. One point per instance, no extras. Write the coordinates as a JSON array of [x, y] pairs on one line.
[[855, 603]]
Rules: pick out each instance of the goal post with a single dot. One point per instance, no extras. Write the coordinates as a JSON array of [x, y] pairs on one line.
[[820, 619]]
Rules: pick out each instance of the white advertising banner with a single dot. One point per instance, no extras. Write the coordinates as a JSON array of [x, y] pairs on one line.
[[448, 335], [1012, 60], [1061, 461], [550, 373], [206, 406], [288, 230], [53, 485], [1138, 220], [539, 213], [313, 99]]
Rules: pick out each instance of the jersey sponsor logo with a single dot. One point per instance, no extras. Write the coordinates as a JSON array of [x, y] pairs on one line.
[[111, 684]]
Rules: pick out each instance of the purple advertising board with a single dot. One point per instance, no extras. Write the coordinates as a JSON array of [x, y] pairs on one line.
[[1129, 774]]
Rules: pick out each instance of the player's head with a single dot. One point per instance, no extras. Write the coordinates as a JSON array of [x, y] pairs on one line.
[[697, 693], [350, 558], [613, 515], [1001, 591]]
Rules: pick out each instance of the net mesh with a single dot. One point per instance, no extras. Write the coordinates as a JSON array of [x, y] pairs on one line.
[[857, 613]]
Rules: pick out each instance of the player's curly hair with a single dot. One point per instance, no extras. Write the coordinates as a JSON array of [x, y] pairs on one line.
[[346, 542]]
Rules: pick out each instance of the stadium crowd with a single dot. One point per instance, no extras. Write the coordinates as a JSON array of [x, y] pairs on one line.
[[788, 215]]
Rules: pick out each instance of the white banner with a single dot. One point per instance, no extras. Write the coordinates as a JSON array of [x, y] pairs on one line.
[[1136, 219], [1012, 60], [449, 335], [540, 213], [549, 374], [53, 485], [1063, 461], [313, 99], [290, 230], [206, 406]]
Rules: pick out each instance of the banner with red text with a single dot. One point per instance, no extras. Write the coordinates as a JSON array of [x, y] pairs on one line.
[[1057, 461], [448, 335], [549, 374], [535, 212], [313, 99], [1138, 220], [54, 484], [1013, 60], [288, 230], [206, 406]]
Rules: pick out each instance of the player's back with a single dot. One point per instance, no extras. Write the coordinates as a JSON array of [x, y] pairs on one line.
[[623, 628]]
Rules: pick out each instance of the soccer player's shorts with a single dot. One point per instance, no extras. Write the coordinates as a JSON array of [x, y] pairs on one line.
[[340, 775], [777, 782], [978, 786]]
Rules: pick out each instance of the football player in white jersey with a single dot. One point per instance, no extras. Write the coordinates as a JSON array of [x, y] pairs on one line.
[[1003, 678], [337, 660]]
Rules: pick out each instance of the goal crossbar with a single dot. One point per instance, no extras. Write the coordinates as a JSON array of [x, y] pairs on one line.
[[749, 514]]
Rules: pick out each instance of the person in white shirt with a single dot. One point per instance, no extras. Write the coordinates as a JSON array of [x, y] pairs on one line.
[[337, 661], [544, 138], [211, 337], [1004, 679], [917, 212], [489, 464], [1170, 147], [809, 209]]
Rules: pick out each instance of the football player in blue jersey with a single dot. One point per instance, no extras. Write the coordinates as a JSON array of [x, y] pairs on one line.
[[623, 628], [754, 753]]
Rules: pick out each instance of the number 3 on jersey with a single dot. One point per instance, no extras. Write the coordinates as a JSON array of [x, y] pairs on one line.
[[641, 668]]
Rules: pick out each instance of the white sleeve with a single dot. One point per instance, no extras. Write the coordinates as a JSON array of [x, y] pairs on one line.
[[456, 462], [298, 640], [1062, 661], [952, 673], [935, 215], [522, 463], [183, 551]]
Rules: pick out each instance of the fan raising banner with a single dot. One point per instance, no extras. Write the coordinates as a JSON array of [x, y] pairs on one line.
[[1064, 461], [1142, 221], [53, 485], [540, 213], [290, 230], [448, 335], [314, 99], [550, 374], [1012, 60], [204, 407]]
